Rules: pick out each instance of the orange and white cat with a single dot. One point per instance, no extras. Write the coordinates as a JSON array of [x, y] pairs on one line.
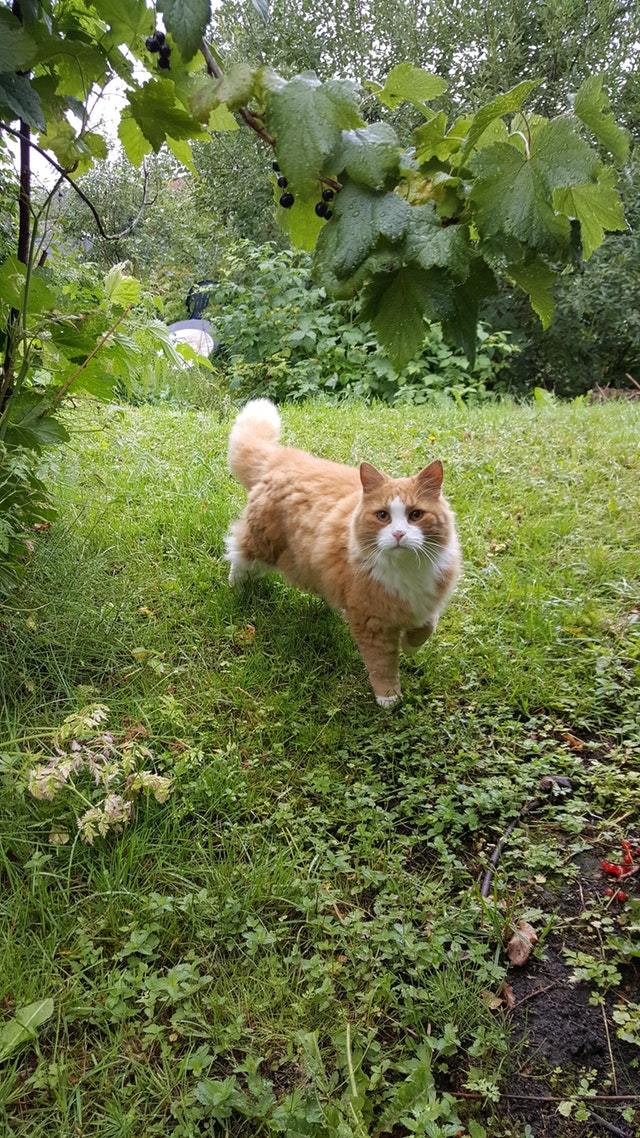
[[383, 551]]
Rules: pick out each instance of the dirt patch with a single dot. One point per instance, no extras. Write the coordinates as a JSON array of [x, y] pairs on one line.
[[561, 1037]]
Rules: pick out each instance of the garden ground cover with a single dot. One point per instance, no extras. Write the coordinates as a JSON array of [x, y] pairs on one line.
[[294, 941]]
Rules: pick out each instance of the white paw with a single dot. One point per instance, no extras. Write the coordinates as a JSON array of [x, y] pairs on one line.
[[387, 701]]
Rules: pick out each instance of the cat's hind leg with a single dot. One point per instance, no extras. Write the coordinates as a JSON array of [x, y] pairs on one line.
[[238, 552], [414, 638]]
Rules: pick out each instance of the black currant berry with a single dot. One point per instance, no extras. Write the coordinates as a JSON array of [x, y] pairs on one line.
[[286, 200], [327, 195], [165, 51], [328, 215], [151, 43], [160, 36], [283, 183], [275, 166], [164, 63], [321, 209]]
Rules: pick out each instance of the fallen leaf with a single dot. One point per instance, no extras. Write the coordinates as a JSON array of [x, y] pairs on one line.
[[507, 993], [490, 999], [573, 741], [59, 837], [521, 943]]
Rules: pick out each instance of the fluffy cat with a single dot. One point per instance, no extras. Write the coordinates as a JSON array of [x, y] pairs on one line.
[[383, 551]]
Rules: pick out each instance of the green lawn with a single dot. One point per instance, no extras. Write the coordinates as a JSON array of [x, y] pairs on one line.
[[294, 943]]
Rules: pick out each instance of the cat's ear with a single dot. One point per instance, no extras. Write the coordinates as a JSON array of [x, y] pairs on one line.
[[430, 479], [370, 477]]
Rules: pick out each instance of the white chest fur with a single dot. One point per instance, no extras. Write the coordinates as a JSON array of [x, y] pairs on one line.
[[417, 579]]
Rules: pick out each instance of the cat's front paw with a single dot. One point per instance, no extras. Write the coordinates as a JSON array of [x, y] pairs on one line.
[[388, 701]]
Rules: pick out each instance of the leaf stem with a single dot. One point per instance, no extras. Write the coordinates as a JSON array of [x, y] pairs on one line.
[[215, 70]]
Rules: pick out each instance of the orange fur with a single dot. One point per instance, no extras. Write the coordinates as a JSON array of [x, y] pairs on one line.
[[383, 551]]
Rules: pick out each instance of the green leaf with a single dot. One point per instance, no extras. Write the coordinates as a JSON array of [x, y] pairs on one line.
[[460, 307], [236, 86], [159, 115], [13, 275], [120, 289], [592, 107], [505, 104], [429, 243], [396, 304], [407, 83], [596, 205], [70, 149], [536, 279], [136, 146], [513, 191], [24, 1025], [187, 21], [222, 119], [363, 220], [433, 141], [181, 150], [18, 95], [31, 425], [201, 95], [369, 155], [127, 17], [301, 221], [307, 117], [408, 1097], [17, 48]]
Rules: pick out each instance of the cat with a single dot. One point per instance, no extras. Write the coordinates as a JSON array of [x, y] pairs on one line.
[[382, 551]]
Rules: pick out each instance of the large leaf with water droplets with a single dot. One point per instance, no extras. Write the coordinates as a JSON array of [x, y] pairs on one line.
[[307, 118], [592, 107]]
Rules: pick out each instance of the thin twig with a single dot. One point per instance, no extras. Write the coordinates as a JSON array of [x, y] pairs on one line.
[[549, 1098], [62, 391], [608, 1125], [606, 1031], [487, 880], [632, 380], [214, 69], [65, 173], [536, 992]]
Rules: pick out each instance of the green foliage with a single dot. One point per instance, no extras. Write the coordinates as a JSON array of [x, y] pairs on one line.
[[281, 336], [595, 334]]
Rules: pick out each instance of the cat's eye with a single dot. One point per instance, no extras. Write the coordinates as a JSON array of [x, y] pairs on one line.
[[382, 515], [415, 515]]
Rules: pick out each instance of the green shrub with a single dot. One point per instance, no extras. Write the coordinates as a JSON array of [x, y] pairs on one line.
[[595, 334], [283, 338]]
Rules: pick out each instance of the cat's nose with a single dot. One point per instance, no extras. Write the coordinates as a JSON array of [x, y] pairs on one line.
[[398, 534]]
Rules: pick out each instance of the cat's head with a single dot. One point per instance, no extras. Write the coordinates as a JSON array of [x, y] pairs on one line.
[[402, 513]]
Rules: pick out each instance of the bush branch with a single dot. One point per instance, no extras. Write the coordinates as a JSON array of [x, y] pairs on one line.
[[65, 173], [252, 121]]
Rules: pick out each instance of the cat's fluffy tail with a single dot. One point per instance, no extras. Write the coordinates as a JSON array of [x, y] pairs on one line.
[[253, 437]]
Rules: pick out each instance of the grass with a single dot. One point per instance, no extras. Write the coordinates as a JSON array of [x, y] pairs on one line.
[[294, 942]]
